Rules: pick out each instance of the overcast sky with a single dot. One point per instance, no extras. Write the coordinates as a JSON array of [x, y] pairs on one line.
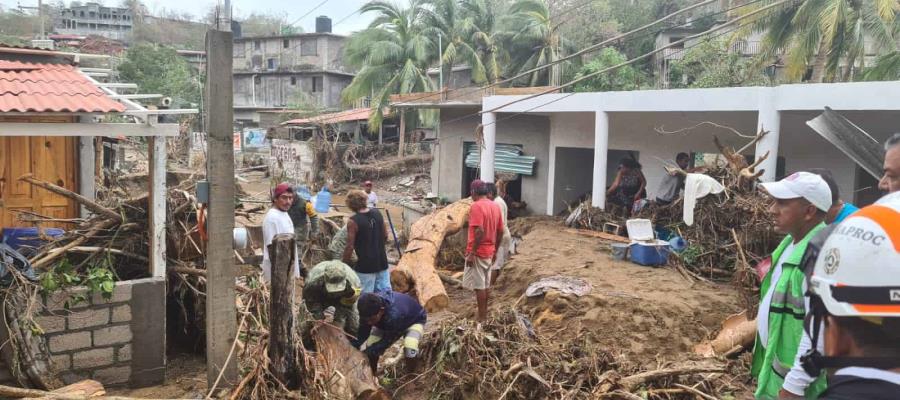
[[292, 9]]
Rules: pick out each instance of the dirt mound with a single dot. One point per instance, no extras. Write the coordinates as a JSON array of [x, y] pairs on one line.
[[639, 313]]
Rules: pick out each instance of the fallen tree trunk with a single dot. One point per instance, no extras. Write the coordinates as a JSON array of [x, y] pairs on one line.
[[736, 331], [416, 270], [346, 369], [79, 390]]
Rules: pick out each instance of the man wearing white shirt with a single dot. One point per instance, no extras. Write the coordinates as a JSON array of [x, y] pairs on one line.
[[277, 221], [372, 200]]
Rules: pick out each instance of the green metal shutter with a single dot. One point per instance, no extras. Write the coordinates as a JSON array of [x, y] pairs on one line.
[[507, 158]]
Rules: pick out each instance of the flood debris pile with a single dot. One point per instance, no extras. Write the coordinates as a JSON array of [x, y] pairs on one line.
[[505, 359], [343, 162], [732, 231]]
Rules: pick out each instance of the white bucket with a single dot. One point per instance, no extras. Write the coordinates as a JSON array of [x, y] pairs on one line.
[[240, 238]]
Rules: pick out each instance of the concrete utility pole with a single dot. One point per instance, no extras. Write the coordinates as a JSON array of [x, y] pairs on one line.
[[221, 315]]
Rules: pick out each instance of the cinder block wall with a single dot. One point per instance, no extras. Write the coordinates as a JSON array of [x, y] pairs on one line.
[[118, 341]]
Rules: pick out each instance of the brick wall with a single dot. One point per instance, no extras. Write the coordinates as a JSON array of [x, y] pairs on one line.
[[118, 341]]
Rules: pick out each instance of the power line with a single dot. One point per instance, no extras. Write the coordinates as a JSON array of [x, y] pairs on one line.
[[345, 18], [631, 61], [308, 12], [632, 33]]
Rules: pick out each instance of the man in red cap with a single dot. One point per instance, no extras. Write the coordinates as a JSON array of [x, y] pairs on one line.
[[485, 232], [278, 221], [372, 200]]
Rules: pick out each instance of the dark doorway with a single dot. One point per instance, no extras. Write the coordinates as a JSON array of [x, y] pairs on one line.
[[573, 180]]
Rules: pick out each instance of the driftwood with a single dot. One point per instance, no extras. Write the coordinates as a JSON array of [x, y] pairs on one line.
[[284, 365], [416, 269], [630, 383], [88, 203], [76, 391], [737, 332], [55, 253], [346, 369], [24, 351], [599, 235]]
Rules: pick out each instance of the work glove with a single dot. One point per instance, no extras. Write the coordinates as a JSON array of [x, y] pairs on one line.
[[329, 314]]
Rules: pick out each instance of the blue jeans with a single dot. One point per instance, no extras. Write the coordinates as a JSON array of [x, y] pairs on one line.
[[375, 282]]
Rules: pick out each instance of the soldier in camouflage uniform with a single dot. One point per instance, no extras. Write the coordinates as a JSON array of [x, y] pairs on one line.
[[337, 245], [331, 284]]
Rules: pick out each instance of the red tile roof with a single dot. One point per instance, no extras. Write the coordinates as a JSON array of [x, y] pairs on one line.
[[28, 87], [356, 114]]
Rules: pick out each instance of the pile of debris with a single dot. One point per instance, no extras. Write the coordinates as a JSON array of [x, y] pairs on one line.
[[505, 358], [732, 231]]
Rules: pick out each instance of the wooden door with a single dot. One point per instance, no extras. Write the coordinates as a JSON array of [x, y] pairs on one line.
[[51, 159]]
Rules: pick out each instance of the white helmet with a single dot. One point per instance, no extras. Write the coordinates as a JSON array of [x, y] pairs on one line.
[[857, 273]]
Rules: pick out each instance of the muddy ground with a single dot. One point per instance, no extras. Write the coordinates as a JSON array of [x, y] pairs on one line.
[[644, 316]]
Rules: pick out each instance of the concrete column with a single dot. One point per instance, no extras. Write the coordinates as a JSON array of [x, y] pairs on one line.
[[86, 162], [489, 135], [601, 150], [769, 119]]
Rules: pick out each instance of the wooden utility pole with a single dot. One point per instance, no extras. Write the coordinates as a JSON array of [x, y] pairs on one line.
[[282, 252], [221, 314], [402, 133]]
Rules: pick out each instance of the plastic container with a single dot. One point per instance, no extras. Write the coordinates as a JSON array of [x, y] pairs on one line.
[[241, 238], [640, 230], [25, 240], [619, 251], [677, 243], [303, 192], [663, 233], [323, 201], [650, 254]]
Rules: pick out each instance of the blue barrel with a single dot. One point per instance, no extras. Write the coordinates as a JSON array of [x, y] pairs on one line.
[[323, 201], [24, 240]]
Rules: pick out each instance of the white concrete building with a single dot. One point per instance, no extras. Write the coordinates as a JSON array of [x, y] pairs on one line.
[[578, 138]]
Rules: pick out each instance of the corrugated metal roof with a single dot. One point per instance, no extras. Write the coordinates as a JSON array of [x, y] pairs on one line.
[[34, 87], [507, 158], [356, 114]]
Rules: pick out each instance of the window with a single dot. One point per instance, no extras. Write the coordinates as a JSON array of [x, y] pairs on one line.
[[238, 51], [316, 84], [271, 64], [293, 81], [256, 45], [309, 47], [257, 80], [286, 43]]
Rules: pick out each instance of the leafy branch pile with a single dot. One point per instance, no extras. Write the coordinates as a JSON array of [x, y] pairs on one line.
[[504, 358], [732, 231]]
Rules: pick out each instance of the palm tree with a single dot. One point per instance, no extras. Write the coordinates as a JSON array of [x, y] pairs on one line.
[[533, 40], [825, 34], [392, 54], [465, 29], [485, 34]]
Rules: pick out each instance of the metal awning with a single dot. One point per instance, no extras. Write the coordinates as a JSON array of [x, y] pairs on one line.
[[507, 158]]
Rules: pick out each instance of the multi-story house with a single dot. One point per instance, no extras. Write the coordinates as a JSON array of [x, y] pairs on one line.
[[277, 72], [95, 19]]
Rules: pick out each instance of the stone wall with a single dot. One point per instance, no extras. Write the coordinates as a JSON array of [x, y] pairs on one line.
[[118, 341]]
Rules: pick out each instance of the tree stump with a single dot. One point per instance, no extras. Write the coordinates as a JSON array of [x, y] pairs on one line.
[[285, 367]]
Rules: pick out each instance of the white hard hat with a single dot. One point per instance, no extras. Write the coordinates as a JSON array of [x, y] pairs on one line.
[[857, 273]]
